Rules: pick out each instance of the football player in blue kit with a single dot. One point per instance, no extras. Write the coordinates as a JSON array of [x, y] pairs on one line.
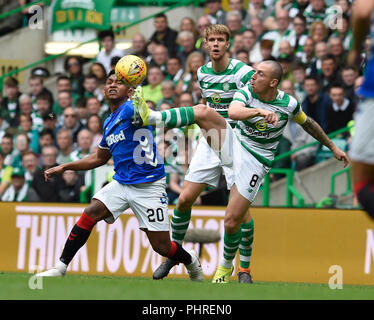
[[138, 183], [362, 147]]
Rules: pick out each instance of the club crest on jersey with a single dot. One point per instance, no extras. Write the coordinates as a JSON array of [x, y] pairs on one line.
[[226, 87], [261, 125], [216, 98]]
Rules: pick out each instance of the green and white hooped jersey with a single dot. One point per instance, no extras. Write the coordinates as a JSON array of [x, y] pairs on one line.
[[255, 135], [218, 88]]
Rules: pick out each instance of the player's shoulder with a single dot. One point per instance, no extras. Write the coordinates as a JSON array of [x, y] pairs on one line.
[[244, 94], [286, 101]]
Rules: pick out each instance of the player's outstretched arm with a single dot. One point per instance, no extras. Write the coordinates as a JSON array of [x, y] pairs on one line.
[[315, 130], [238, 111], [92, 161]]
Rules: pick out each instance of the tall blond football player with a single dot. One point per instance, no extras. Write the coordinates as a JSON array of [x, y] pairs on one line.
[[262, 112], [362, 147], [218, 80]]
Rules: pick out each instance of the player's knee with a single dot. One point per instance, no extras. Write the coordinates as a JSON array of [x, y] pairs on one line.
[[95, 212], [185, 202], [231, 223]]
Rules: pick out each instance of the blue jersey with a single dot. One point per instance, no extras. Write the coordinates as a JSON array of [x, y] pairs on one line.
[[133, 149], [367, 88]]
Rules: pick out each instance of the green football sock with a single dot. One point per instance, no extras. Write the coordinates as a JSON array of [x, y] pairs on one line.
[[179, 225], [246, 242], [230, 246], [177, 117]]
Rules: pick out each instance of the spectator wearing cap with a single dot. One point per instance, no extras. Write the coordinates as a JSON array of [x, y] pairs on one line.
[[164, 34], [5, 174], [109, 50], [19, 190], [9, 104], [11, 22], [49, 121], [40, 72], [216, 14], [47, 191]]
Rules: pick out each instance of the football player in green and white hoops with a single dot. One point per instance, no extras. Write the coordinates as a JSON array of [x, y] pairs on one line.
[[218, 80], [261, 111]]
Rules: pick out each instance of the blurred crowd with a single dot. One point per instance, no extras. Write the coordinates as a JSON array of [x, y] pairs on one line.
[[309, 38]]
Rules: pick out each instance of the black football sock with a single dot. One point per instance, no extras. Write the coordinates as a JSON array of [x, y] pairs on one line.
[[77, 237], [177, 253]]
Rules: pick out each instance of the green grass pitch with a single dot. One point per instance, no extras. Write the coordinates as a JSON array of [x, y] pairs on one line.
[[15, 286]]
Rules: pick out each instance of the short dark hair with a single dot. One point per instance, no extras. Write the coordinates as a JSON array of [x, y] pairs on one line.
[[310, 77], [106, 33], [46, 132], [111, 72], [328, 56], [161, 15], [336, 85], [301, 17]]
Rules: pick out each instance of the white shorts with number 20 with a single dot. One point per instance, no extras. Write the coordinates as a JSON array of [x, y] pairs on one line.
[[148, 201]]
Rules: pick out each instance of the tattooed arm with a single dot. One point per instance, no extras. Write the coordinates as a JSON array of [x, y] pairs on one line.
[[314, 129]]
